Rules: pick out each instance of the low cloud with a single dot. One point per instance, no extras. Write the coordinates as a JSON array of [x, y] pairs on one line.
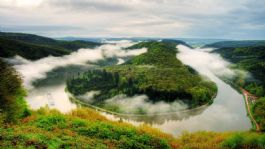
[[141, 103], [88, 96], [33, 70], [204, 62]]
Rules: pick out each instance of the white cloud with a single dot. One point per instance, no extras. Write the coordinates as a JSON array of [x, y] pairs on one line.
[[141, 102]]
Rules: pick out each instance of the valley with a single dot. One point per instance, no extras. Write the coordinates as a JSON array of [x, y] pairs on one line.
[[144, 65]]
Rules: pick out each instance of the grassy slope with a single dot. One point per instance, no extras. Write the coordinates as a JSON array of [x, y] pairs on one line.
[[85, 128], [82, 128], [34, 47], [157, 73]]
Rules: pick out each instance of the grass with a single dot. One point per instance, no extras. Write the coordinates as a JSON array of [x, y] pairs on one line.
[[86, 128], [82, 128]]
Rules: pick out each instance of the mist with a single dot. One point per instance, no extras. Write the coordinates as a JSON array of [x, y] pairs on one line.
[[142, 103], [134, 104], [33, 70], [208, 64]]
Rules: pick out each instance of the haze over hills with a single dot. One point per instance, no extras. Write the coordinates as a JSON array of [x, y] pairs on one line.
[[35, 47], [237, 44], [196, 42]]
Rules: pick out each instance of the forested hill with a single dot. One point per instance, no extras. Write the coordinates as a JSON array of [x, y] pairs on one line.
[[34, 47], [156, 73], [251, 59], [237, 44]]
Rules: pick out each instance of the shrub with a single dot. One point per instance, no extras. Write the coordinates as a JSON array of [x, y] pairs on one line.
[[233, 142], [245, 140], [50, 122]]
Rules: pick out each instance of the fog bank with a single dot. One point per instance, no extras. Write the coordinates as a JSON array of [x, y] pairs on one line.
[[141, 103], [204, 62], [33, 70]]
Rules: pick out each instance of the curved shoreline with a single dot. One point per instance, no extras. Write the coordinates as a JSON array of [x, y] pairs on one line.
[[138, 115]]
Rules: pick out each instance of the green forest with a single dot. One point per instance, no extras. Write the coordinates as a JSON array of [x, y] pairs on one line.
[[156, 73], [249, 57]]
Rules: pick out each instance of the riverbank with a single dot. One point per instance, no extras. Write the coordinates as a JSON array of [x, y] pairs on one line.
[[247, 97]]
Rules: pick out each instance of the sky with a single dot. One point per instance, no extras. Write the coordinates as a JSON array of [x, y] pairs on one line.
[[220, 19]]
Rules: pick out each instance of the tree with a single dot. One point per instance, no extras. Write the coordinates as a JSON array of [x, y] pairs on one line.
[[259, 112], [117, 78], [12, 103]]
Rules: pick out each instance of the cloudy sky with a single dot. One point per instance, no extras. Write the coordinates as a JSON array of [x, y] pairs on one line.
[[230, 19]]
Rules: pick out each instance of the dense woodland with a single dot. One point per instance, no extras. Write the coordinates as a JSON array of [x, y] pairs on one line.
[[157, 73], [252, 59], [35, 47]]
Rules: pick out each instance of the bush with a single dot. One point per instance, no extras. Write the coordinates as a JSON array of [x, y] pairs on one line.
[[259, 112], [51, 122], [245, 140], [234, 142]]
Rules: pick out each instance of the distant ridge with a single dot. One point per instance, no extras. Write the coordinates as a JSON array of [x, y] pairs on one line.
[[34, 47], [237, 44]]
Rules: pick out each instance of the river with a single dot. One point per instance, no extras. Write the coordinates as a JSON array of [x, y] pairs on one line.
[[227, 112]]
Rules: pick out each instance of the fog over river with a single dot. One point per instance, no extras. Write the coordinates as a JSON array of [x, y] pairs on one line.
[[227, 112]]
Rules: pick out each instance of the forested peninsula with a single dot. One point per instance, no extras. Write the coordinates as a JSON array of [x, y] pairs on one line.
[[156, 73]]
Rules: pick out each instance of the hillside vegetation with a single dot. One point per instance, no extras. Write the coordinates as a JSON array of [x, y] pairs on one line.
[[156, 73], [35, 47], [12, 103], [251, 59]]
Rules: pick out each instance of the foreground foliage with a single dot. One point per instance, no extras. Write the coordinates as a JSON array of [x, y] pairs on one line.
[[226, 140], [85, 128], [82, 128]]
